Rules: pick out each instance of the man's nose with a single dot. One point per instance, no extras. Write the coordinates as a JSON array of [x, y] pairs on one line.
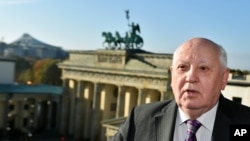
[[191, 76]]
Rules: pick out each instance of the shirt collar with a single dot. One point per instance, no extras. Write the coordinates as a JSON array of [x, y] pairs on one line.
[[207, 119]]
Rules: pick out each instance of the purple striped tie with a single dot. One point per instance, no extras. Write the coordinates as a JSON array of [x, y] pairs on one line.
[[193, 126]]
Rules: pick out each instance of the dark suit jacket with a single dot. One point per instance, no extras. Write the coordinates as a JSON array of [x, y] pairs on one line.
[[156, 121]]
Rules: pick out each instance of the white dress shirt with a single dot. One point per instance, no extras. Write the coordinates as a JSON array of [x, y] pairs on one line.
[[205, 131]]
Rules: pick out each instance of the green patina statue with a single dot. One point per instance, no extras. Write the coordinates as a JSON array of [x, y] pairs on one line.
[[131, 40]]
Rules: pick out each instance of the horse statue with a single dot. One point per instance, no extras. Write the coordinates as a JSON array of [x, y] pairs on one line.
[[109, 42], [134, 28], [118, 40], [133, 40]]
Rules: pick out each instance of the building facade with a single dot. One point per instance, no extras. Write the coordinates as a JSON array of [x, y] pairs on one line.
[[7, 74], [28, 46], [26, 109], [104, 85], [238, 89]]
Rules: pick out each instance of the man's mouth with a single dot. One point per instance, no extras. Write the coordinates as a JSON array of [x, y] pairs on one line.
[[191, 92]]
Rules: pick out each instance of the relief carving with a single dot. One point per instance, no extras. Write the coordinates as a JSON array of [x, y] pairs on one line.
[[102, 58], [109, 58]]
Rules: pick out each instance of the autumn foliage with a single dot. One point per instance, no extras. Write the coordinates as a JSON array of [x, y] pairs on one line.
[[42, 71]]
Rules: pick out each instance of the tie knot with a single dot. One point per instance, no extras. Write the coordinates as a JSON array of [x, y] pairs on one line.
[[193, 124]]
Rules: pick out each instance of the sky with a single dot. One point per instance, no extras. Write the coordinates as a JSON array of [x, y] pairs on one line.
[[164, 24]]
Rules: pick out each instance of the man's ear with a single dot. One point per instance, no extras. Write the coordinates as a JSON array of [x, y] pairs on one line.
[[225, 78], [170, 69]]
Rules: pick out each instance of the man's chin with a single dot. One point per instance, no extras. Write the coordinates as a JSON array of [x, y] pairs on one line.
[[192, 106]]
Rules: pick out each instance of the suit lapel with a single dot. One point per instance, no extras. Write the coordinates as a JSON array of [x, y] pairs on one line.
[[165, 123], [222, 122]]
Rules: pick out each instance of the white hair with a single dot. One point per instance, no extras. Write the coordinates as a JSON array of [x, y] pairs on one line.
[[223, 56]]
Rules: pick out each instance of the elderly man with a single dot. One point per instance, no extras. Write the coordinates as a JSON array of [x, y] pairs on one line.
[[199, 111]]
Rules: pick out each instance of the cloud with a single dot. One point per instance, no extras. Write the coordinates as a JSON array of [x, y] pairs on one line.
[[14, 2]]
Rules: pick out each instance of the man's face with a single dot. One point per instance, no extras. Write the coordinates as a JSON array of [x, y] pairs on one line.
[[197, 76]]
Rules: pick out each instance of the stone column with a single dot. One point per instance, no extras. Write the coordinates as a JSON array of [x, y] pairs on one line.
[[141, 97], [120, 102], [19, 109], [162, 96], [95, 124], [72, 108], [35, 114], [87, 107], [5, 111], [2, 111], [49, 114], [66, 108], [131, 97], [58, 110], [79, 89], [65, 83], [79, 111], [65, 114]]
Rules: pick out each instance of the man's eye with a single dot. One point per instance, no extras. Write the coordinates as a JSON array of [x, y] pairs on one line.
[[204, 68], [182, 67]]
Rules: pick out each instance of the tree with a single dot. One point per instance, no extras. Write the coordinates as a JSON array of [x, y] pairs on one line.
[[21, 66], [43, 71], [52, 73], [25, 76]]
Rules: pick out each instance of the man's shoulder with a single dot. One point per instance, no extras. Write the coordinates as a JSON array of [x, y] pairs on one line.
[[236, 106], [235, 110], [155, 107]]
